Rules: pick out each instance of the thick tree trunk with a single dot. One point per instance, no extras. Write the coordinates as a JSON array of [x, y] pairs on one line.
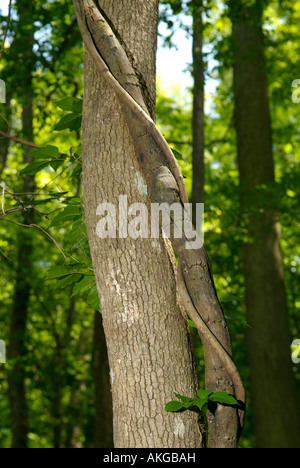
[[275, 403], [147, 337], [198, 106], [103, 400]]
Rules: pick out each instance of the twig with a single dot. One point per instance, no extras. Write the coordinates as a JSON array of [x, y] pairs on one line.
[[13, 195], [50, 181], [32, 145], [23, 208], [2, 253], [28, 226], [17, 140]]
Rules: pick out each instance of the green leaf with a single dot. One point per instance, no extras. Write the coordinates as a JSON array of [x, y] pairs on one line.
[[57, 194], [58, 272], [188, 405], [69, 122], [177, 155], [223, 398], [200, 403], [70, 104], [70, 213], [64, 270], [46, 200], [85, 284], [34, 167], [173, 406], [204, 393], [78, 232], [93, 299], [56, 164], [191, 324], [183, 398], [68, 280], [46, 152]]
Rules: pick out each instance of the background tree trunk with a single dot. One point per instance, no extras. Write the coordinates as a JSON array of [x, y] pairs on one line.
[[103, 401], [147, 337], [17, 347], [4, 143], [275, 404], [198, 106]]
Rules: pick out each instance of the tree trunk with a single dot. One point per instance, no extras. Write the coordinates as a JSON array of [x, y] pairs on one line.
[[4, 143], [147, 337], [275, 403], [103, 401], [17, 347], [198, 106]]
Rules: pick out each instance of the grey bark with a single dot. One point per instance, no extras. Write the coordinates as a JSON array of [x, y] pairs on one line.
[[147, 337]]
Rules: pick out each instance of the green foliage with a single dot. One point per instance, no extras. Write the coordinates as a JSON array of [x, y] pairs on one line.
[[203, 398], [204, 401]]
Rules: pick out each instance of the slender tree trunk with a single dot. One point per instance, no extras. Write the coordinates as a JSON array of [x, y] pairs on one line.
[[17, 346], [275, 403], [147, 337], [198, 106], [4, 143], [103, 400]]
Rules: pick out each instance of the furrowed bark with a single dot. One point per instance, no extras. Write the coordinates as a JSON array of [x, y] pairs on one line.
[[147, 337], [163, 180]]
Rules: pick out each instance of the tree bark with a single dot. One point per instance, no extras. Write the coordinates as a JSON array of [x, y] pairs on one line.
[[147, 337], [198, 107], [275, 403]]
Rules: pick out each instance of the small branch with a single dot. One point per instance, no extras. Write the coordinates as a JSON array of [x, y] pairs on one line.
[[17, 140], [48, 183], [29, 226], [32, 145], [22, 208], [13, 195], [5, 257]]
